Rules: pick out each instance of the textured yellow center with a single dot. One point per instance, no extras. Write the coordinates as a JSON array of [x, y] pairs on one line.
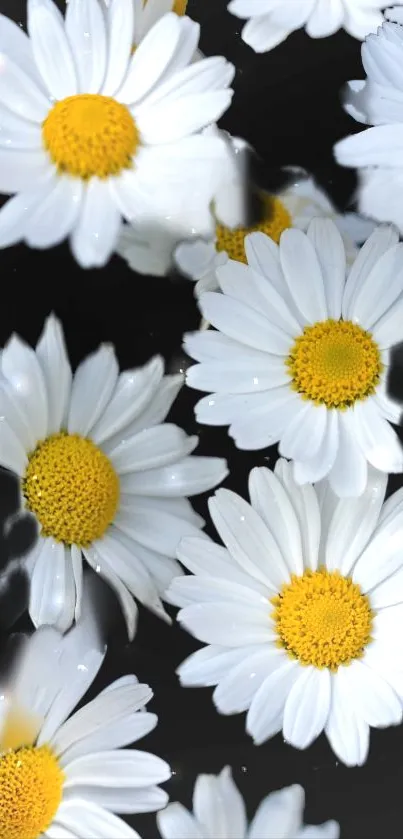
[[90, 135], [276, 219], [322, 619], [31, 784], [335, 363], [72, 488]]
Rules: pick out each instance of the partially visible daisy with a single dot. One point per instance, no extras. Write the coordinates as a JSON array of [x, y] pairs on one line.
[[93, 133], [150, 248], [302, 610], [65, 776], [219, 812], [295, 206], [377, 152], [148, 12], [301, 352], [271, 21], [104, 476]]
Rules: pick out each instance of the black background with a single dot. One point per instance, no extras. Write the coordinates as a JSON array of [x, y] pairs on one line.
[[287, 105]]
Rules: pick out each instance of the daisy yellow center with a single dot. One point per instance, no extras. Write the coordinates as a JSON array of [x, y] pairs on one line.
[[276, 219], [31, 784], [90, 135], [322, 619], [335, 363], [72, 489]]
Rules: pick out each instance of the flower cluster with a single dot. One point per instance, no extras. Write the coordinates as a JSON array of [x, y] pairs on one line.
[[109, 139]]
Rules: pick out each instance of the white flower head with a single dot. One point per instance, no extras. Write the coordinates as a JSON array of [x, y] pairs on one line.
[[219, 811], [301, 352], [64, 775], [377, 152], [302, 610], [93, 132], [150, 250], [271, 21], [104, 476], [294, 206]]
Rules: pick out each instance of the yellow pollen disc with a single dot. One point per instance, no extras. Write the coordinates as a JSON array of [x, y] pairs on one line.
[[276, 220], [90, 135], [72, 489], [31, 784], [335, 363], [322, 619]]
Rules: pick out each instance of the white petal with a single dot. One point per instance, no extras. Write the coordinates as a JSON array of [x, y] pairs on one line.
[[386, 543], [235, 691], [134, 391], [353, 524], [270, 500], [380, 290], [307, 707], [153, 447], [16, 132], [347, 732], [129, 608], [16, 44], [15, 418], [303, 275], [77, 565], [15, 213], [305, 433], [218, 806], [203, 557], [243, 324], [123, 768], [20, 93], [93, 384], [150, 60], [175, 822], [319, 466], [227, 624], [379, 242], [189, 476], [51, 49], [208, 666], [52, 591], [248, 539], [159, 406], [378, 441], [327, 830], [331, 254], [21, 368], [85, 817], [12, 454], [120, 27], [348, 476], [92, 726], [265, 715], [279, 815], [239, 375], [146, 799], [140, 524], [56, 214], [96, 233], [191, 590], [85, 28], [52, 356], [372, 697], [305, 503]]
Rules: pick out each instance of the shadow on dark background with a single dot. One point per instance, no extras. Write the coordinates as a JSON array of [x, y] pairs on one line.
[[287, 105]]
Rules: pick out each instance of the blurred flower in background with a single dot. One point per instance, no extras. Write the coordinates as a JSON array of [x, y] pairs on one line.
[[377, 152], [219, 811], [271, 21]]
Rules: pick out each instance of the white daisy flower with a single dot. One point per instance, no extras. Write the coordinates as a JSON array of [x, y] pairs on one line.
[[295, 206], [301, 354], [378, 152], [104, 476], [271, 21], [148, 12], [302, 610], [92, 133], [62, 776], [150, 250], [219, 811]]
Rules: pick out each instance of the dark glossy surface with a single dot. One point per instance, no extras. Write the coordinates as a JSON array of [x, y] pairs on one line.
[[287, 105]]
